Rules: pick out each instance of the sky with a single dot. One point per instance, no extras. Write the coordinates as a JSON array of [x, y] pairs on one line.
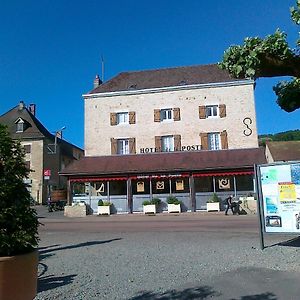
[[50, 51]]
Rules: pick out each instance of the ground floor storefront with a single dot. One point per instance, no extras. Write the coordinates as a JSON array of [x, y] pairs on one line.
[[126, 181], [127, 194]]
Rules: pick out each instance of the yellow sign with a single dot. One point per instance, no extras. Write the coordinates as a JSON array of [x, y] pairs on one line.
[[287, 192], [140, 187], [179, 185]]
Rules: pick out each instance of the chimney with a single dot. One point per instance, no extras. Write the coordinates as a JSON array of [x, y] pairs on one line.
[[31, 108], [97, 81], [21, 105]]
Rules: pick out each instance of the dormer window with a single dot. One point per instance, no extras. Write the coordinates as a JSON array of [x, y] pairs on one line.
[[20, 125]]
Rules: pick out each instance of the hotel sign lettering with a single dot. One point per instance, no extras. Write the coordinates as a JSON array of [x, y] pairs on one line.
[[183, 148]]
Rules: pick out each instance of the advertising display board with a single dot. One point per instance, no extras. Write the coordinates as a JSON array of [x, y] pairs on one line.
[[279, 195]]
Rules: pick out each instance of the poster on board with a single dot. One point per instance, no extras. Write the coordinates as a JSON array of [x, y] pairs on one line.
[[280, 196]]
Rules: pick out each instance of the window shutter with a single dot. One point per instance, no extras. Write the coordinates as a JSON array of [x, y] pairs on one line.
[[158, 143], [177, 142], [222, 110], [132, 117], [113, 119], [114, 146], [204, 141], [224, 141], [202, 112], [176, 114], [132, 149], [156, 115]]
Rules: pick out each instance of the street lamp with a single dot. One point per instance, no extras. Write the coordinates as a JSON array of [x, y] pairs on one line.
[[58, 133]]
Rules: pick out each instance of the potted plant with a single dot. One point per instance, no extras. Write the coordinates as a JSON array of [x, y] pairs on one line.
[[18, 224], [149, 207], [174, 205], [104, 207], [213, 204]]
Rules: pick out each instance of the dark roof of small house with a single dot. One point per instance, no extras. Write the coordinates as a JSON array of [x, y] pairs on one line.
[[284, 150], [35, 129], [168, 77], [166, 162]]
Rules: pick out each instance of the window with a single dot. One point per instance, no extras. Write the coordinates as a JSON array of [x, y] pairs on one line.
[[123, 146], [214, 141], [166, 114], [27, 148], [167, 143], [20, 127], [123, 118], [212, 111]]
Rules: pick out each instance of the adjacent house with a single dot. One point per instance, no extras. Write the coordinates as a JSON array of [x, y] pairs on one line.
[[282, 151], [185, 131], [46, 154]]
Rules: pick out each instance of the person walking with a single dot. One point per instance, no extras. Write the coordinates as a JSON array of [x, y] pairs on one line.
[[229, 204]]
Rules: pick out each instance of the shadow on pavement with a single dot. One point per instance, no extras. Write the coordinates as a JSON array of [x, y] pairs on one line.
[[51, 282], [186, 294], [295, 242], [204, 292], [46, 250]]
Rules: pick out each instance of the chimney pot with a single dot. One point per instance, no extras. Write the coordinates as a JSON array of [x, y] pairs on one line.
[[21, 105], [97, 81]]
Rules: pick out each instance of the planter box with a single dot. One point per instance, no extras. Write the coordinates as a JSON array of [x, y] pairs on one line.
[[75, 211], [18, 276], [174, 208], [104, 210], [215, 206], [149, 209]]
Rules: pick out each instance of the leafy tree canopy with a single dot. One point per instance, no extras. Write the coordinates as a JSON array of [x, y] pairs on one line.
[[269, 57]]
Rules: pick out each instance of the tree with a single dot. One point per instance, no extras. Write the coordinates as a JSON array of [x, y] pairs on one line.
[[269, 57], [18, 221]]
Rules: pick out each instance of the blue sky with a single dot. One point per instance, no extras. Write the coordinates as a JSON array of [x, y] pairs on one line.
[[50, 51]]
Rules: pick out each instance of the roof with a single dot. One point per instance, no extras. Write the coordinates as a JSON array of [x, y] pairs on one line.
[[168, 77], [35, 129], [165, 162], [284, 150]]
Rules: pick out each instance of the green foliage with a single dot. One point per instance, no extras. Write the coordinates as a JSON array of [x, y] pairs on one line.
[[288, 94], [18, 221], [173, 200], [246, 60], [154, 201], [214, 198], [104, 203], [291, 135], [269, 57]]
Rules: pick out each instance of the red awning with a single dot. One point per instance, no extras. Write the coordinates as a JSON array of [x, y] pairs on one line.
[[224, 173], [97, 179], [160, 176]]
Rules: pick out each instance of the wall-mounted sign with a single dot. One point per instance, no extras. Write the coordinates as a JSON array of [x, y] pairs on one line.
[[100, 189], [224, 183], [248, 131], [179, 185], [47, 174], [160, 185], [183, 148], [140, 187]]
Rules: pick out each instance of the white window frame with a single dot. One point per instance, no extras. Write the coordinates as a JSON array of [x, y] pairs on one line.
[[214, 141], [167, 143], [123, 146], [212, 111], [122, 118], [20, 126], [166, 114]]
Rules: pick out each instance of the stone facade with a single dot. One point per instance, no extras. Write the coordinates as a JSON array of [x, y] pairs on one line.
[[239, 121]]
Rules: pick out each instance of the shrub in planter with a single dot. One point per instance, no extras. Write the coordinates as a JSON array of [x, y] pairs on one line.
[[104, 207], [18, 224], [149, 207], [213, 203], [173, 200]]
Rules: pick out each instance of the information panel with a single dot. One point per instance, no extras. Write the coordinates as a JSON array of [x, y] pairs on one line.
[[280, 189]]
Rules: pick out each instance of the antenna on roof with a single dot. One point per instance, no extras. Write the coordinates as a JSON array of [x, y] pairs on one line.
[[102, 67]]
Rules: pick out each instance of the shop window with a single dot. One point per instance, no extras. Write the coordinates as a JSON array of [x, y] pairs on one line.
[[80, 189], [244, 183], [118, 187], [99, 188], [180, 185], [224, 184], [204, 184]]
